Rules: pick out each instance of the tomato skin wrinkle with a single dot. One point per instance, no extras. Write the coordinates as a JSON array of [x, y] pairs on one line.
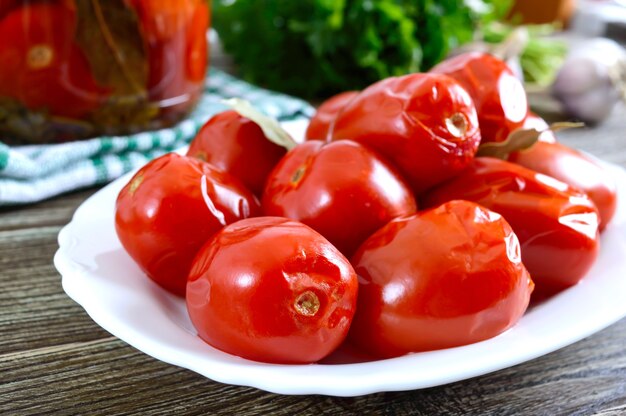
[[441, 278], [340, 189], [170, 208], [557, 225], [237, 145], [408, 121], [273, 290], [499, 96], [575, 169]]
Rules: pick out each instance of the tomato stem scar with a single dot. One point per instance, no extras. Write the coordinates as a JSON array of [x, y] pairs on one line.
[[135, 184], [39, 56], [307, 303], [457, 124], [201, 155], [297, 175]]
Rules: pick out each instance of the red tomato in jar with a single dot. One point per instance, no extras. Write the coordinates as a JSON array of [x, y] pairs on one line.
[[7, 5], [162, 19], [557, 225], [42, 66], [441, 278], [197, 53], [340, 189], [273, 290], [575, 169], [499, 96], [237, 145], [424, 124], [170, 208], [167, 80], [325, 115], [178, 59]]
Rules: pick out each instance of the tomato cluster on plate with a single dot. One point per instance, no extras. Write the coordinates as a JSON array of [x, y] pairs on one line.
[[386, 229]]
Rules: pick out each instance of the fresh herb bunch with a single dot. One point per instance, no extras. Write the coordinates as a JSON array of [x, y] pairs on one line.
[[319, 47], [542, 56]]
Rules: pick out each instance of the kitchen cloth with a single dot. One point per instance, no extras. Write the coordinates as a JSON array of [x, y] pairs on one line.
[[35, 172]]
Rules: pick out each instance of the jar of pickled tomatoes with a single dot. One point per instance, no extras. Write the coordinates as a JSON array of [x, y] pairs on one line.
[[72, 69]]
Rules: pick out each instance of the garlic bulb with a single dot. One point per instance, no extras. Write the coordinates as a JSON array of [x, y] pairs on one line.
[[592, 80]]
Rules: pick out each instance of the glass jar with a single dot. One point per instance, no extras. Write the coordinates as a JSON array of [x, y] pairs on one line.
[[71, 69]]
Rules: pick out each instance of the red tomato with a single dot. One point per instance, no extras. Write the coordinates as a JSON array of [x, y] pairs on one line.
[[169, 78], [167, 71], [238, 146], [557, 226], [575, 169], [170, 208], [424, 124], [325, 115], [340, 189], [499, 96], [442, 278], [533, 121], [197, 52], [7, 5], [177, 52], [270, 289], [42, 67], [162, 19]]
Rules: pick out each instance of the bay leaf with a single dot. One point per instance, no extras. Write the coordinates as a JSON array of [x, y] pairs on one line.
[[520, 139], [109, 35], [272, 129]]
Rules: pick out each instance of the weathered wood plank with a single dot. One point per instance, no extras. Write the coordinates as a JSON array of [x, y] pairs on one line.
[[619, 410], [34, 310], [56, 211]]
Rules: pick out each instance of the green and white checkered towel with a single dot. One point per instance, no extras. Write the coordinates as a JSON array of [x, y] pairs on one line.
[[36, 172]]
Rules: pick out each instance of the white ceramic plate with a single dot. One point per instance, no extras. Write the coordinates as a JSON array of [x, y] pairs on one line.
[[102, 278]]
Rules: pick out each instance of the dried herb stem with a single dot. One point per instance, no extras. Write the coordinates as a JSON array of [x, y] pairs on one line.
[[111, 43]]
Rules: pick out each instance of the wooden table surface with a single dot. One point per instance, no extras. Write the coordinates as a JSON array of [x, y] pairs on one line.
[[55, 359]]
